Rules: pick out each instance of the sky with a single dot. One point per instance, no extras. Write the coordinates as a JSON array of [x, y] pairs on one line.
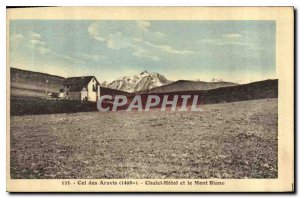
[[236, 51]]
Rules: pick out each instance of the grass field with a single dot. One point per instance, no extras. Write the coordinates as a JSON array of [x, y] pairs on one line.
[[34, 105], [229, 140]]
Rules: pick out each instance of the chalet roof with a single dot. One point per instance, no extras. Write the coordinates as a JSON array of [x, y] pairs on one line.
[[76, 88], [79, 81]]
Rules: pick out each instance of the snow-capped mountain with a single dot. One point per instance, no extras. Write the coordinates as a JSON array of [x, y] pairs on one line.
[[143, 81]]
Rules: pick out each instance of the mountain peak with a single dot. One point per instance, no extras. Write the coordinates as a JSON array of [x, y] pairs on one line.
[[144, 72]]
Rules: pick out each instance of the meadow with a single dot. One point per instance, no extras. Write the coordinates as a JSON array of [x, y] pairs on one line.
[[227, 140]]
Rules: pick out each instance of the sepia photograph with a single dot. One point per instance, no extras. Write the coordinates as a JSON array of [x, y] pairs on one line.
[[186, 101]]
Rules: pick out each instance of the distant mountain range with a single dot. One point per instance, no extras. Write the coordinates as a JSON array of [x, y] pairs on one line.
[[139, 82], [146, 82]]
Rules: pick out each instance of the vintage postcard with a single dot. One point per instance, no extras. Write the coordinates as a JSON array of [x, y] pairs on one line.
[[150, 99]]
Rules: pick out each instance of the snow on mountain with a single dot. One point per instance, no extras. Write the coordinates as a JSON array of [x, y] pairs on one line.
[[143, 81], [217, 80]]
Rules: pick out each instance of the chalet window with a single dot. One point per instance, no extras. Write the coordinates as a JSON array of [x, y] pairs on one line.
[[94, 88], [67, 92]]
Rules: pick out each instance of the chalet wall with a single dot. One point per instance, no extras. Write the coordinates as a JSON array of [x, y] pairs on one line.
[[75, 95], [92, 93], [84, 95]]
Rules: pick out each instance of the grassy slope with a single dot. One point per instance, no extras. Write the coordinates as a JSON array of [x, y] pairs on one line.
[[33, 84], [230, 140]]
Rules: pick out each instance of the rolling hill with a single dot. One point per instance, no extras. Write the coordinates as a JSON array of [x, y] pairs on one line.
[[34, 84], [250, 91]]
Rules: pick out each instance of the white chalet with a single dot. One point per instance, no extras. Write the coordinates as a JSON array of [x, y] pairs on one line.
[[85, 88]]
